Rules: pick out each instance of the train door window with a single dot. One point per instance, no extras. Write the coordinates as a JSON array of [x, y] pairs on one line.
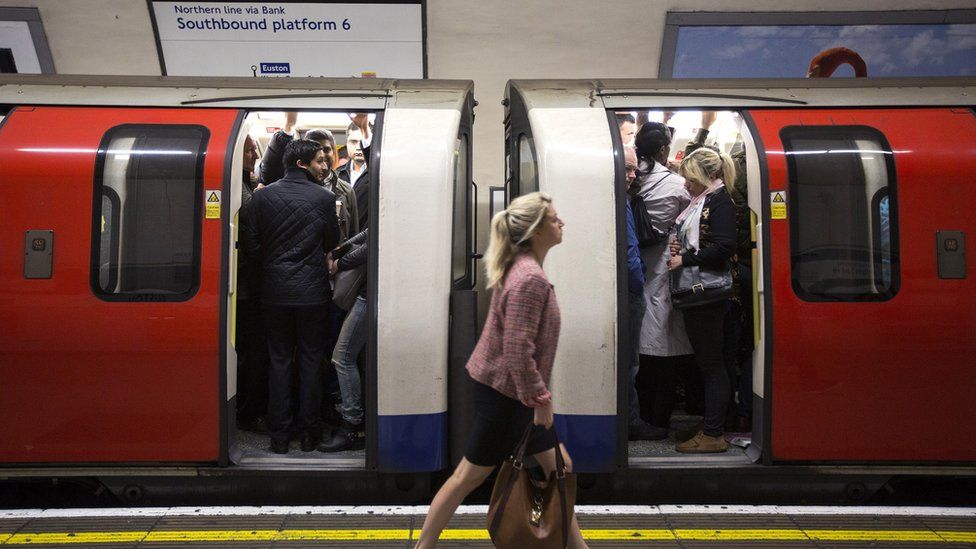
[[146, 227], [843, 213], [528, 166], [462, 213]]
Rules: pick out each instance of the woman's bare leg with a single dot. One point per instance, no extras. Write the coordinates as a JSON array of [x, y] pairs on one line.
[[547, 460], [462, 482]]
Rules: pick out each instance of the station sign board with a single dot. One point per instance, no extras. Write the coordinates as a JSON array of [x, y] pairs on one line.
[[332, 39]]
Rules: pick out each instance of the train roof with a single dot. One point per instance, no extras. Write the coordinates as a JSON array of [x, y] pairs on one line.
[[240, 92], [734, 92]]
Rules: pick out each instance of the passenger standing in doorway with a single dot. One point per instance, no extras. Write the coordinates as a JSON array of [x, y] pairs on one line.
[[346, 206], [628, 127], [295, 223], [351, 341], [662, 336], [511, 364], [252, 347], [706, 238], [348, 213], [738, 330], [356, 171], [638, 429]]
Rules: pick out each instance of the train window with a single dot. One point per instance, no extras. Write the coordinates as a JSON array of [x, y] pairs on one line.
[[146, 227], [528, 173], [459, 255], [843, 222]]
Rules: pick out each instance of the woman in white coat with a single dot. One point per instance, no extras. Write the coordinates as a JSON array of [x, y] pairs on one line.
[[662, 331]]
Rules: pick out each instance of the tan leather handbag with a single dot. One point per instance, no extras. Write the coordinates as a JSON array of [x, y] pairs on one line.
[[523, 515]]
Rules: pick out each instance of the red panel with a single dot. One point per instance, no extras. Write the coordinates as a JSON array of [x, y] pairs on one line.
[[81, 379], [890, 380]]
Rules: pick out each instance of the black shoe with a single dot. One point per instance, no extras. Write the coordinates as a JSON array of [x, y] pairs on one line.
[[347, 437], [310, 442], [279, 446], [646, 431]]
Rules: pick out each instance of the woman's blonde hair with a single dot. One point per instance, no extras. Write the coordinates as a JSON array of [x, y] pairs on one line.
[[511, 230], [703, 165]]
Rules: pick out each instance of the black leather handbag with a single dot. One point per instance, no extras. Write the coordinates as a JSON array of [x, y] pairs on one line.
[[692, 286]]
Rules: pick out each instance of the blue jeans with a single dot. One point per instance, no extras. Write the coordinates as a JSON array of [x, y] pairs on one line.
[[637, 308], [351, 341]]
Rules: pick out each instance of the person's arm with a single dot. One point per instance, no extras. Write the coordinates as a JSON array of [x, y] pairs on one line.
[[272, 163], [250, 235], [331, 223], [721, 219], [708, 118], [357, 254], [635, 265], [352, 206], [525, 303], [291, 122]]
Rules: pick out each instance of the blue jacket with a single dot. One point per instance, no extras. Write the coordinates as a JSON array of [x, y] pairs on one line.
[[635, 263]]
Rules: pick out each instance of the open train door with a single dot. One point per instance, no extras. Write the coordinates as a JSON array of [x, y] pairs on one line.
[[464, 274], [871, 293], [117, 305]]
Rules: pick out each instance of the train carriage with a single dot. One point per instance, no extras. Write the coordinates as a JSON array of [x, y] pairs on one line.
[[864, 296], [118, 292]]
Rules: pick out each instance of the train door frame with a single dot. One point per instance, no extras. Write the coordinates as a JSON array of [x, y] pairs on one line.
[[369, 381], [759, 448], [517, 126], [624, 337], [463, 330]]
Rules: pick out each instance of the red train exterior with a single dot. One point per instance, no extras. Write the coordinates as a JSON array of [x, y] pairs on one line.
[[87, 380]]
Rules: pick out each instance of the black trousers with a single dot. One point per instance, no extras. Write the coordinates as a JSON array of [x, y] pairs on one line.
[[705, 327], [295, 333], [252, 361]]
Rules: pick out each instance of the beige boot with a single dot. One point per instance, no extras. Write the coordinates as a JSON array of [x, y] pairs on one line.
[[702, 444]]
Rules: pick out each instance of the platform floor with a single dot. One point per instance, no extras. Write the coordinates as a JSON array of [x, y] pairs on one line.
[[603, 526]]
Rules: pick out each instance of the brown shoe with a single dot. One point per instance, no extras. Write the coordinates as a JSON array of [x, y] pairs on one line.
[[689, 433], [702, 444]]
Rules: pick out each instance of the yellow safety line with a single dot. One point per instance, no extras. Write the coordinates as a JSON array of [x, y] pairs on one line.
[[457, 534]]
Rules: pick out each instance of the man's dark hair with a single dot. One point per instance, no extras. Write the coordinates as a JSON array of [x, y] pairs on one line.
[[625, 117], [300, 149], [319, 135], [650, 138]]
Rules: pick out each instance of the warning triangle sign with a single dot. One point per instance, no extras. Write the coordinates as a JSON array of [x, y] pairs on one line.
[[212, 197], [778, 197]]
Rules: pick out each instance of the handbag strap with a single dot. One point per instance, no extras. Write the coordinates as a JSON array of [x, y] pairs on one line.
[[517, 460]]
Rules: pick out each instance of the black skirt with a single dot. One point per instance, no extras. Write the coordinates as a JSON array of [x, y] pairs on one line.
[[498, 422]]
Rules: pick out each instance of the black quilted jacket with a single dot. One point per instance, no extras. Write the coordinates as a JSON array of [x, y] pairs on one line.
[[295, 223]]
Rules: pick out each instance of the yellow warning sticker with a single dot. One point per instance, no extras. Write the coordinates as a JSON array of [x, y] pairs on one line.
[[777, 204], [212, 204]]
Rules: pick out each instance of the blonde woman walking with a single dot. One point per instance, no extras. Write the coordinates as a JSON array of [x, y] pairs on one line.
[[511, 364]]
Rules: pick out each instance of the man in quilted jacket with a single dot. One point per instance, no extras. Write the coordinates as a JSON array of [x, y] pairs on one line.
[[295, 223]]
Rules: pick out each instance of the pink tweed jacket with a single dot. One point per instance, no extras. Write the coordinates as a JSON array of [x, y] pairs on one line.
[[518, 344]]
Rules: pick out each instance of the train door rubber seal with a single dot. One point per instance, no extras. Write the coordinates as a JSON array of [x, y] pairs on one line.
[[372, 291], [226, 410], [764, 440], [624, 337]]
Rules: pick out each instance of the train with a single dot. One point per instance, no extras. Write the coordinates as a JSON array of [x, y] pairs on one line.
[[122, 197]]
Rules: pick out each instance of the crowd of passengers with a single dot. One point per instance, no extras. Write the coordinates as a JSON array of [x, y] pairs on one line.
[[696, 215], [304, 224], [295, 238]]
